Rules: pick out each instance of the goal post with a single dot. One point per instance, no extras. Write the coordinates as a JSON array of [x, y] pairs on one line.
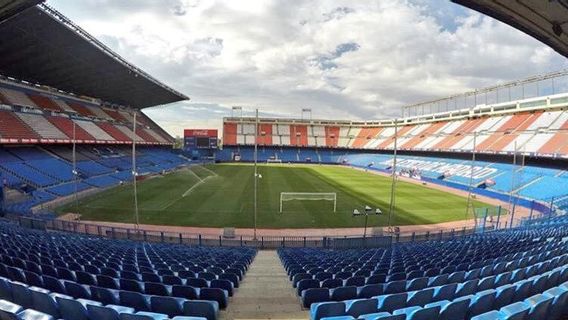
[[274, 161], [308, 196]]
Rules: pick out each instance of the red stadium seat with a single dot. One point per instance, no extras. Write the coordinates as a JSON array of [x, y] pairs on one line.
[[12, 127]]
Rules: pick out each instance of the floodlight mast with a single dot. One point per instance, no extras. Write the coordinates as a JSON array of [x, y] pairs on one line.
[[75, 176], [393, 183], [470, 189], [234, 108], [255, 170], [513, 182], [135, 173]]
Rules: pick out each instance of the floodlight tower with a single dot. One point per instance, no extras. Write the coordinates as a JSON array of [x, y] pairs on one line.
[[393, 183], [470, 188], [308, 111], [135, 172], [74, 170], [236, 108], [255, 170]]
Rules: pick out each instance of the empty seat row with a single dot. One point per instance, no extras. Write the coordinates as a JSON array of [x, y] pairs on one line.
[[449, 307], [61, 306]]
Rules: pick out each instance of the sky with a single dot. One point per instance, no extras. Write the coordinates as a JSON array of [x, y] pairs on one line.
[[349, 60]]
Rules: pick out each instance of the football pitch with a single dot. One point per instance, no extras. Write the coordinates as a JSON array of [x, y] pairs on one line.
[[221, 195]]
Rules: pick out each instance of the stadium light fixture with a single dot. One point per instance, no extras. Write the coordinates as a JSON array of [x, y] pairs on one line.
[[236, 108], [367, 210], [308, 111]]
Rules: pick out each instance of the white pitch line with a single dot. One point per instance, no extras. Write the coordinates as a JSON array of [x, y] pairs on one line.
[[194, 174], [187, 192], [211, 171]]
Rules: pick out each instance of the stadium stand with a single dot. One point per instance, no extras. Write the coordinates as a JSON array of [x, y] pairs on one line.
[[42, 174], [42, 126], [81, 109], [16, 97], [536, 128], [45, 103], [115, 115], [76, 277], [66, 125], [50, 119], [94, 130], [511, 274], [14, 129], [113, 131]]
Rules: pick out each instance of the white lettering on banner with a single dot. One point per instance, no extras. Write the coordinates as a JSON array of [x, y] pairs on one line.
[[200, 132], [454, 169]]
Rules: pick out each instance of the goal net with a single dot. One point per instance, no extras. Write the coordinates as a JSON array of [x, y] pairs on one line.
[[274, 161], [308, 196]]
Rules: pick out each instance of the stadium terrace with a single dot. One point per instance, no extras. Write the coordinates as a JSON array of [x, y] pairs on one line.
[[451, 213]]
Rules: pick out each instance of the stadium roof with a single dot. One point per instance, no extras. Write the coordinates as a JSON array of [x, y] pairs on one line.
[[9, 8], [40, 45], [545, 20]]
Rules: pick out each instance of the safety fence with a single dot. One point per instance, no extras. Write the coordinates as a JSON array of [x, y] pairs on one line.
[[261, 242]]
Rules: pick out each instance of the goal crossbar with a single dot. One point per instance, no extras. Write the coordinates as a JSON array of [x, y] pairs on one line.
[[308, 196]]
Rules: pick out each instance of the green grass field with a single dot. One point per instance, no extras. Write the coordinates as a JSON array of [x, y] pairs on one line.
[[222, 196]]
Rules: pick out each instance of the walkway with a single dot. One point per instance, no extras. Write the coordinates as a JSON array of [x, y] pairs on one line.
[[265, 293]]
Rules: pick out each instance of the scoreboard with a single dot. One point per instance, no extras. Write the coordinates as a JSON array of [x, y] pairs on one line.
[[200, 142]]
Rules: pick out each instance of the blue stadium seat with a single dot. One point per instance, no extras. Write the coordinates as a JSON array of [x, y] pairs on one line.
[[420, 297], [306, 284], [344, 293], [333, 283], [369, 291], [359, 307], [205, 309], [72, 309], [391, 302], [167, 305], [222, 284], [560, 302], [326, 309], [44, 302], [108, 312], [104, 295], [8, 310], [156, 289], [134, 300], [215, 294], [313, 295]]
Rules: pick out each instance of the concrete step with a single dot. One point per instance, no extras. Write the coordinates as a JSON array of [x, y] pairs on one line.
[[265, 293]]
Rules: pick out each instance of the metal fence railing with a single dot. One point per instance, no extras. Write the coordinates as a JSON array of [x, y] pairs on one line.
[[261, 242]]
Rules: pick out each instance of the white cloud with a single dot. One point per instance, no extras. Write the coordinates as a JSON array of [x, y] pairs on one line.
[[284, 55]]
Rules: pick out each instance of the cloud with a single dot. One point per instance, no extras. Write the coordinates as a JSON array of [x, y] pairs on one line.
[[343, 59]]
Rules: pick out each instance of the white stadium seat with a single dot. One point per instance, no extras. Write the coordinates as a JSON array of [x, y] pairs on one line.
[[42, 126], [94, 130]]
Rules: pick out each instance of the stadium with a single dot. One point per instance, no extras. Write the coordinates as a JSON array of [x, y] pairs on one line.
[[455, 209]]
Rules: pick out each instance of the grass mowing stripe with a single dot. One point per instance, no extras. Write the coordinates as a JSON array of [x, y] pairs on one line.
[[227, 198]]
